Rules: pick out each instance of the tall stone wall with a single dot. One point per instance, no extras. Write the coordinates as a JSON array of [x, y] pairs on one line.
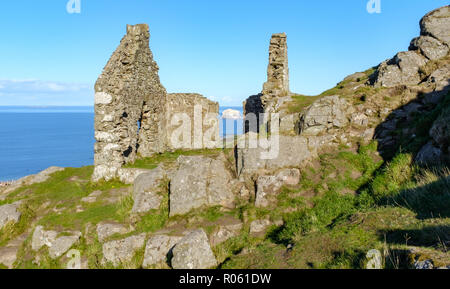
[[133, 112]]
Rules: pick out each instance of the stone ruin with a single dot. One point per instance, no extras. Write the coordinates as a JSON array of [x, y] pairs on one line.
[[133, 111], [277, 84], [276, 88]]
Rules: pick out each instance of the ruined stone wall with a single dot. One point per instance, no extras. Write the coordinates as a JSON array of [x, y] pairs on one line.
[[277, 84], [276, 88], [132, 109], [127, 96], [178, 103]]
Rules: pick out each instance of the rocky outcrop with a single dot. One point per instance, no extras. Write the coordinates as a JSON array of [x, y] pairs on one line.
[[433, 44], [193, 252], [325, 114], [122, 251], [159, 250], [436, 23], [199, 181], [437, 151], [9, 214]]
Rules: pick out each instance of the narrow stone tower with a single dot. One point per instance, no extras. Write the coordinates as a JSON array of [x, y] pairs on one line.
[[277, 84]]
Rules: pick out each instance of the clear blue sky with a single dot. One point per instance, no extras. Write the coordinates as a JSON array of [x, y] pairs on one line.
[[213, 47]]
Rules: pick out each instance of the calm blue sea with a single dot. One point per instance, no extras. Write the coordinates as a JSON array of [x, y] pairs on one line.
[[35, 138]]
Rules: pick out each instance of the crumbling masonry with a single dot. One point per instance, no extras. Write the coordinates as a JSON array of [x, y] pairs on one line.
[[276, 88], [132, 108]]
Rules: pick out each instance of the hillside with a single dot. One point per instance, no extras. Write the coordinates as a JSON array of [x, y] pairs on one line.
[[363, 166]]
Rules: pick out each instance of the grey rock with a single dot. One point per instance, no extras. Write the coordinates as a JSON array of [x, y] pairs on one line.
[[8, 255], [436, 24], [147, 191], [193, 252], [429, 47], [429, 155], [122, 251], [224, 233], [9, 213], [62, 244], [42, 238], [258, 227], [324, 114], [108, 229], [158, 249], [403, 69], [129, 175], [268, 187], [289, 151], [199, 181]]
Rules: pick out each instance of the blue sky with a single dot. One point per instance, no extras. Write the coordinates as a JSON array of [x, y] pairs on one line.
[[213, 47]]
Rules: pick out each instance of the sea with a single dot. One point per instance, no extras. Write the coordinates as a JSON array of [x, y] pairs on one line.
[[35, 138]]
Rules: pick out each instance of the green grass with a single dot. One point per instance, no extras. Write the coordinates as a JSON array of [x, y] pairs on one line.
[[169, 157], [300, 102]]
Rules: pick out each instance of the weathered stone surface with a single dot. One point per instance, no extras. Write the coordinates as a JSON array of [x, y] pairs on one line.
[[436, 24], [429, 155], [108, 229], [199, 181], [62, 244], [225, 232], [440, 79], [288, 151], [193, 252], [9, 213], [128, 94], [42, 238], [403, 69], [57, 245], [8, 255], [324, 114], [133, 111], [429, 47], [129, 175], [268, 187], [278, 71], [203, 116], [158, 249], [259, 226], [147, 191], [122, 251]]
